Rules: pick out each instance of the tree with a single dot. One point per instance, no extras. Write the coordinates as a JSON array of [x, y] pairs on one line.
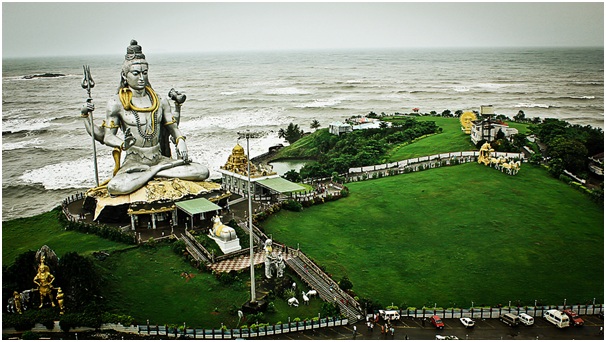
[[315, 124], [572, 153], [520, 117], [293, 133], [293, 176], [458, 113], [383, 125], [446, 113], [80, 281], [518, 140], [20, 275], [281, 133], [345, 284]]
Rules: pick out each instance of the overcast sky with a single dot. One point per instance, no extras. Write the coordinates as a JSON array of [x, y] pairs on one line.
[[72, 28]]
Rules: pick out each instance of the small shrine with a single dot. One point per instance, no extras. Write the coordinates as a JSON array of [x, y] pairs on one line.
[[264, 181]]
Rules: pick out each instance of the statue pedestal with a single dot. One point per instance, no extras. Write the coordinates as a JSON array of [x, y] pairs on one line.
[[252, 308], [227, 246]]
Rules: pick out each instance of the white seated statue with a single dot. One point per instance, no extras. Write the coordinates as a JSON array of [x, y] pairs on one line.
[[220, 230], [224, 236]]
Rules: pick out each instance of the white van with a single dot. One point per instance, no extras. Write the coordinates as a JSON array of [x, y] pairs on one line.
[[510, 319], [526, 319], [389, 315], [557, 317]]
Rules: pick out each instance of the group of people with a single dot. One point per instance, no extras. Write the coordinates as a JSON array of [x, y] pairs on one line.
[[386, 329]]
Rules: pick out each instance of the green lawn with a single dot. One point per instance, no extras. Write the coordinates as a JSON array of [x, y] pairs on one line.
[[457, 234], [150, 281], [452, 139], [31, 233]]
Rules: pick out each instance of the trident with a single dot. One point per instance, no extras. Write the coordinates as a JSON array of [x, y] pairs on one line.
[[88, 84]]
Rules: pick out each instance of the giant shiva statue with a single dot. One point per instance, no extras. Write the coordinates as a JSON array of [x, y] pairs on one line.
[[147, 122]]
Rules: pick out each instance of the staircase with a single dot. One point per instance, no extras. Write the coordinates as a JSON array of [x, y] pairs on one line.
[[194, 250], [327, 288]]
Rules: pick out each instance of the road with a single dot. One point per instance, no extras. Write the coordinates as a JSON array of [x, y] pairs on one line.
[[488, 329]]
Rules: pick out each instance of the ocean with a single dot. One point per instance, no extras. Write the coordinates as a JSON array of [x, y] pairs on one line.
[[47, 154]]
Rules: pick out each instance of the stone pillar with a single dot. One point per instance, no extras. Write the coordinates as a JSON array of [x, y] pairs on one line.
[[153, 219], [132, 222]]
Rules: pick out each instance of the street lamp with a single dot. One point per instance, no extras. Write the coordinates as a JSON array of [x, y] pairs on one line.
[[248, 134]]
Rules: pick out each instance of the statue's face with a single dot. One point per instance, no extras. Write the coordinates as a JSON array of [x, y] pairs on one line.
[[136, 77]]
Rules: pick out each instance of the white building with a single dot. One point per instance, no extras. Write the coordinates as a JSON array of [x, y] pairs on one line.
[[338, 128], [487, 128]]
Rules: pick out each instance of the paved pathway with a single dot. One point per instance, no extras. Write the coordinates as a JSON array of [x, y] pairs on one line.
[[242, 262]]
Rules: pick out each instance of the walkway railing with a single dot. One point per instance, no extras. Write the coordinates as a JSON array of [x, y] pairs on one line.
[[229, 334]]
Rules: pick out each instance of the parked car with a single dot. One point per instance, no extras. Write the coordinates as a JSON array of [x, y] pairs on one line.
[[526, 319], [467, 322], [575, 320], [446, 337], [436, 321]]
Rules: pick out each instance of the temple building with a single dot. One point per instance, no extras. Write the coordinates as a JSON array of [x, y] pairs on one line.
[[487, 128], [264, 182]]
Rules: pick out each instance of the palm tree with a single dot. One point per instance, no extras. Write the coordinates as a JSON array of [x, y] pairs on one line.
[[315, 124], [281, 133]]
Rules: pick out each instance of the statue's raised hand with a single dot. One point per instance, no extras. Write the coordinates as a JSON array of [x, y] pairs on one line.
[[87, 108]]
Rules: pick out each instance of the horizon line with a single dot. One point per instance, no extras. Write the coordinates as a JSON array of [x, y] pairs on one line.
[[303, 50]]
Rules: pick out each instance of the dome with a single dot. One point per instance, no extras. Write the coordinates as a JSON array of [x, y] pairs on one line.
[[238, 149]]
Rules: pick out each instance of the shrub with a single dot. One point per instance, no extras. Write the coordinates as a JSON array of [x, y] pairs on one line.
[[30, 335], [345, 284], [292, 205]]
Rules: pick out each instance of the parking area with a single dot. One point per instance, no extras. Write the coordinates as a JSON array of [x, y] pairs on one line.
[[485, 329]]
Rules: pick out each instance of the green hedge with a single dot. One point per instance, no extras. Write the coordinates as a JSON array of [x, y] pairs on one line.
[[101, 230]]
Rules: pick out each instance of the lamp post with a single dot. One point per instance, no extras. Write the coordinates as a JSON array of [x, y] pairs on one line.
[[248, 135]]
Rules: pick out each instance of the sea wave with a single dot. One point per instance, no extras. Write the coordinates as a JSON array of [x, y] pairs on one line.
[[286, 91], [69, 174], [321, 103], [587, 83], [532, 105], [34, 143], [234, 119], [25, 125]]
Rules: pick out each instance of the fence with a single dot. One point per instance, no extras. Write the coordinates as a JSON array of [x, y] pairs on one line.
[[436, 157], [481, 313], [261, 331], [69, 200]]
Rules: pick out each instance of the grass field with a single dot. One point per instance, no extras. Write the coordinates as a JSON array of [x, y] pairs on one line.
[[450, 140], [454, 235], [149, 279], [146, 283], [31, 233]]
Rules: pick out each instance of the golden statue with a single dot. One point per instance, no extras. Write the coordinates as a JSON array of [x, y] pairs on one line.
[[60, 300], [466, 121], [44, 279], [17, 302], [485, 154]]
